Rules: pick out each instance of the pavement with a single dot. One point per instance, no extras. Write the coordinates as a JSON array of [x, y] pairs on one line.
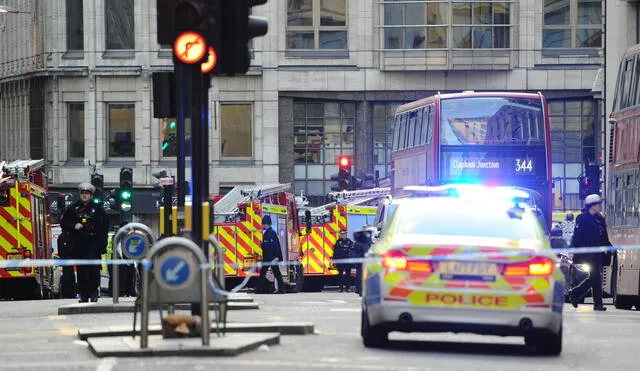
[[34, 337]]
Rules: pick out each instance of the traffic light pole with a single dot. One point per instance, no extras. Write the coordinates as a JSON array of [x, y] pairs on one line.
[[182, 91]]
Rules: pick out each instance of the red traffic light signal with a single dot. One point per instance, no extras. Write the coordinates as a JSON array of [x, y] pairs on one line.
[[344, 162]]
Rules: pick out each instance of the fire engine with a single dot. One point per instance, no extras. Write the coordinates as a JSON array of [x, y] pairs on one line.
[[238, 227], [24, 229], [348, 211]]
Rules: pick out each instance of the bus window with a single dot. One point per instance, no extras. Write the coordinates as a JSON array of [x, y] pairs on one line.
[[432, 123], [425, 133], [411, 129], [419, 126], [635, 99], [628, 65], [403, 132], [396, 132]]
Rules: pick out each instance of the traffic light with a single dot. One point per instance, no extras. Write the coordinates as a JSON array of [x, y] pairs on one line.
[[125, 193], [590, 182], [343, 178], [97, 180], [238, 28]]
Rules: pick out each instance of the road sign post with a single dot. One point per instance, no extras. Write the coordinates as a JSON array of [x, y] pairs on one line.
[[136, 240], [176, 275]]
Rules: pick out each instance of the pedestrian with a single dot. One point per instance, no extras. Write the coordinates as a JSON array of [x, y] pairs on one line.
[[590, 231], [342, 251], [271, 255], [568, 227], [363, 239], [89, 225]]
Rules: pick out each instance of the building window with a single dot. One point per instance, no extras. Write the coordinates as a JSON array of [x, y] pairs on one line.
[[76, 130], [169, 132], [572, 24], [236, 130], [75, 25], [119, 22], [122, 120], [383, 114], [454, 24], [323, 132], [317, 24], [572, 141]]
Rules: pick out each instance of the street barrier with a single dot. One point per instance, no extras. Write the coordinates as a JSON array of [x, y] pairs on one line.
[[136, 239]]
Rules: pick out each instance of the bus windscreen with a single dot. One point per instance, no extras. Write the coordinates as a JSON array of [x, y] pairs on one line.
[[491, 121]]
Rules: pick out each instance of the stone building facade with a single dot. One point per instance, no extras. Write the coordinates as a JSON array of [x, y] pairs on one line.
[[76, 85]]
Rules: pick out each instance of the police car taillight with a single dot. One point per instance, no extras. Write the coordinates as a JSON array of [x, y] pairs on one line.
[[539, 266], [396, 260]]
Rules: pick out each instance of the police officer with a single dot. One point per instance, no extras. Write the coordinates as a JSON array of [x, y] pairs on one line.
[[271, 253], [363, 238], [590, 231], [343, 250], [89, 224]]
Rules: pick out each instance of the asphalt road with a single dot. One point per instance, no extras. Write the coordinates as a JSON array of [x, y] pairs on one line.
[[33, 336]]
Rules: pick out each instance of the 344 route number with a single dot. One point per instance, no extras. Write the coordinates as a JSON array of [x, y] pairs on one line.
[[524, 165]]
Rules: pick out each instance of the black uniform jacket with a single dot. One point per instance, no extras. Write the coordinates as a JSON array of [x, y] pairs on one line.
[[91, 240]]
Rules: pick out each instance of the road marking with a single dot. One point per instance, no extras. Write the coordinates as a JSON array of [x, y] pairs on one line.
[[302, 365], [346, 309], [64, 328], [48, 333], [68, 331], [338, 301], [107, 364], [277, 318]]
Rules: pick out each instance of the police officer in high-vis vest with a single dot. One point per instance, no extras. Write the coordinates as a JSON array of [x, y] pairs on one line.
[[89, 225]]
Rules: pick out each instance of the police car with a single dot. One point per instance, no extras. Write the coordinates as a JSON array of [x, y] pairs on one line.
[[463, 259]]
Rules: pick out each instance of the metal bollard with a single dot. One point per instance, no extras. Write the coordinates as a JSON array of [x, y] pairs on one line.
[[115, 271], [219, 274], [144, 315]]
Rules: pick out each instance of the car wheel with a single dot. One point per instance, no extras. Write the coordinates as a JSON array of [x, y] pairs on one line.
[[549, 344], [373, 336]]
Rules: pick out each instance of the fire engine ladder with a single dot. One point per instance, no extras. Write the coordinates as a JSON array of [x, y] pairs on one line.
[[22, 168], [229, 203], [352, 198], [359, 195]]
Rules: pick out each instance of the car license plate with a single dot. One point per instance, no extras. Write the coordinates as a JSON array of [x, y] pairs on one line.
[[452, 270], [14, 256], [248, 264]]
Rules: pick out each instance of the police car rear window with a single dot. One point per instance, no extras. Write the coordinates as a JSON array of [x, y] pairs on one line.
[[413, 220]]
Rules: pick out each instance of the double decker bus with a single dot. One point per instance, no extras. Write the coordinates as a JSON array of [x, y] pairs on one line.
[[475, 137], [623, 185]]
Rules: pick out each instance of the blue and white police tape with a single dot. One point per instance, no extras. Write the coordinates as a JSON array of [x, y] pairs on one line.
[[26, 263]]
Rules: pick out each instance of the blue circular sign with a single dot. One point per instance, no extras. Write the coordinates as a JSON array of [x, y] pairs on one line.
[[175, 271], [134, 246]]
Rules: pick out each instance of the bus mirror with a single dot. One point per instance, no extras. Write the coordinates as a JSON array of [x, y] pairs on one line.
[[307, 220]]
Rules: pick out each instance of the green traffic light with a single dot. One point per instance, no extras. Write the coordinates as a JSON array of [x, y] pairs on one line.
[[165, 145], [125, 195], [96, 201], [172, 125], [125, 206]]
